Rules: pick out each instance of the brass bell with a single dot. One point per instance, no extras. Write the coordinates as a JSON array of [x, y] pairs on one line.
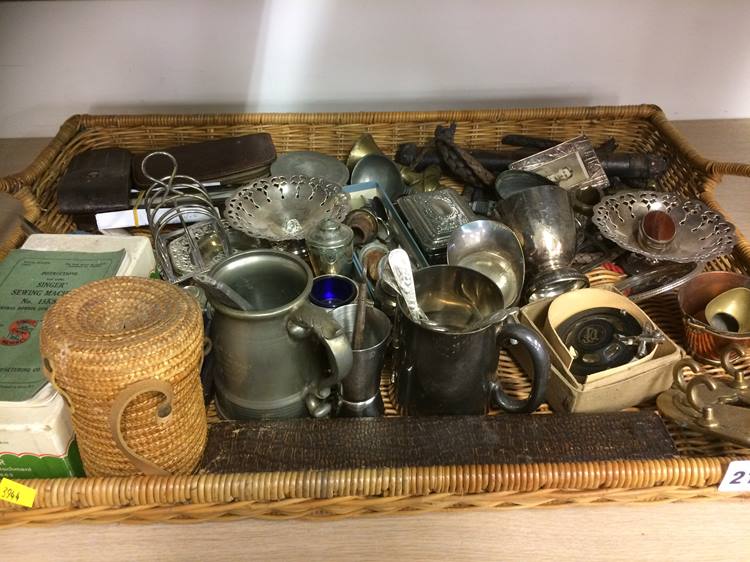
[[364, 146]]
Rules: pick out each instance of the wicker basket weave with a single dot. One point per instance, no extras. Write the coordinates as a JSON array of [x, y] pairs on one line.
[[343, 493], [126, 354]]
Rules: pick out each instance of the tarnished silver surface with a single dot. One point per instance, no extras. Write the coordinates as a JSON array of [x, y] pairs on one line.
[[664, 277], [543, 219], [183, 200], [179, 249], [492, 249], [285, 208], [209, 245], [435, 215], [312, 164], [281, 358], [702, 234], [383, 171]]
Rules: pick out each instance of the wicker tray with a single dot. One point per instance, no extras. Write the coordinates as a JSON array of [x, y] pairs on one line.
[[342, 493]]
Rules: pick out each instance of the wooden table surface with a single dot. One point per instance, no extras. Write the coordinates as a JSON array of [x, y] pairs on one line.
[[711, 530]]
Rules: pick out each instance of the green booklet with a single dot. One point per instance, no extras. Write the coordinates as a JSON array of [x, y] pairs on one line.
[[30, 282]]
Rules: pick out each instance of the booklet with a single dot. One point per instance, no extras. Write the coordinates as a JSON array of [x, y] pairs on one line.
[[30, 282]]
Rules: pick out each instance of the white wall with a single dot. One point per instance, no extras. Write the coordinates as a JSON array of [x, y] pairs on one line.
[[691, 57]]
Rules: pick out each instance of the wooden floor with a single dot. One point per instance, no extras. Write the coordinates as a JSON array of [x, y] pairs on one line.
[[674, 532], [716, 530]]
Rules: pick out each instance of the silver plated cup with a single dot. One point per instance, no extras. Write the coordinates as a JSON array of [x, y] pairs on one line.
[[543, 219], [492, 249], [360, 390]]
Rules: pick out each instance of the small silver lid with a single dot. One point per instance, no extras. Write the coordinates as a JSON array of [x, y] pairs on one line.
[[330, 234]]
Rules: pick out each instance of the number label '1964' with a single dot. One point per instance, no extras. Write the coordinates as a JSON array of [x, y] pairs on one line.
[[13, 492]]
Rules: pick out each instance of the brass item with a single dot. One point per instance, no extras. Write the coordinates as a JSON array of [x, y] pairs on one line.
[[426, 181], [364, 146], [709, 405], [730, 311], [703, 341]]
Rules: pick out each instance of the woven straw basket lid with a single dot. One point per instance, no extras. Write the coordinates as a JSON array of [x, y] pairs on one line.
[[126, 353]]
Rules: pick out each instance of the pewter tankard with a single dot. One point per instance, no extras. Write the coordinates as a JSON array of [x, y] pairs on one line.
[[272, 360]]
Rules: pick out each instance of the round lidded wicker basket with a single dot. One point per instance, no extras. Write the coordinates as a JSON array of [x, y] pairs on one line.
[[126, 353]]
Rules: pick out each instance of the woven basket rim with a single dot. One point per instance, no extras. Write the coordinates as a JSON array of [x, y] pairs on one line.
[[153, 498]]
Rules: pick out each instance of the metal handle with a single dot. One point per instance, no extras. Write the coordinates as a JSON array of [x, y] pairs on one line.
[[163, 413], [728, 365], [309, 319], [540, 368], [677, 376], [691, 392]]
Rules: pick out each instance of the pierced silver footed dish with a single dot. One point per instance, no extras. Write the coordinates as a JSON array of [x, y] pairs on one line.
[[285, 208], [664, 226]]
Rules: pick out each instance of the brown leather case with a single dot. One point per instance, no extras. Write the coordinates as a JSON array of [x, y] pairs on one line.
[[95, 181], [348, 443], [230, 160]]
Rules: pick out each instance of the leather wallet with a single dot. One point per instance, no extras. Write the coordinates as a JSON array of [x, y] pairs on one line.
[[95, 181], [227, 160]]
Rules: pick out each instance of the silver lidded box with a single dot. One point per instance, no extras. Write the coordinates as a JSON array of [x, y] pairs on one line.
[[433, 216]]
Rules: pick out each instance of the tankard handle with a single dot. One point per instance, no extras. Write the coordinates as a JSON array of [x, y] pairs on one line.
[[309, 319], [163, 413], [540, 362]]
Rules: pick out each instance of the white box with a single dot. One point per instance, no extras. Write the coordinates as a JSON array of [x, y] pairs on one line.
[[139, 257]]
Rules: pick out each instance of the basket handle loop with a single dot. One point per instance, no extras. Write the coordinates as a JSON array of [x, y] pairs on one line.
[[50, 373], [163, 413]]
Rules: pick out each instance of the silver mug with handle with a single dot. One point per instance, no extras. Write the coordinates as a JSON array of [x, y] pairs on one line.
[[273, 361], [450, 367]]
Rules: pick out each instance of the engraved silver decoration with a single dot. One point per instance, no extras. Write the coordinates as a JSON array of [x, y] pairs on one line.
[[435, 215], [398, 259], [179, 249], [702, 234], [285, 208]]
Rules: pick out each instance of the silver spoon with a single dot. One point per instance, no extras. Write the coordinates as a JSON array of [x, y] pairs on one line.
[[398, 259], [222, 292]]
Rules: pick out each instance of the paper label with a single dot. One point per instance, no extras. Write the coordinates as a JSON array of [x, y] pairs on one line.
[[736, 478], [13, 492]]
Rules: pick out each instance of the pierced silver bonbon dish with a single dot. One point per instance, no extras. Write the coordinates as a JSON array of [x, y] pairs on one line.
[[700, 234], [285, 208]]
